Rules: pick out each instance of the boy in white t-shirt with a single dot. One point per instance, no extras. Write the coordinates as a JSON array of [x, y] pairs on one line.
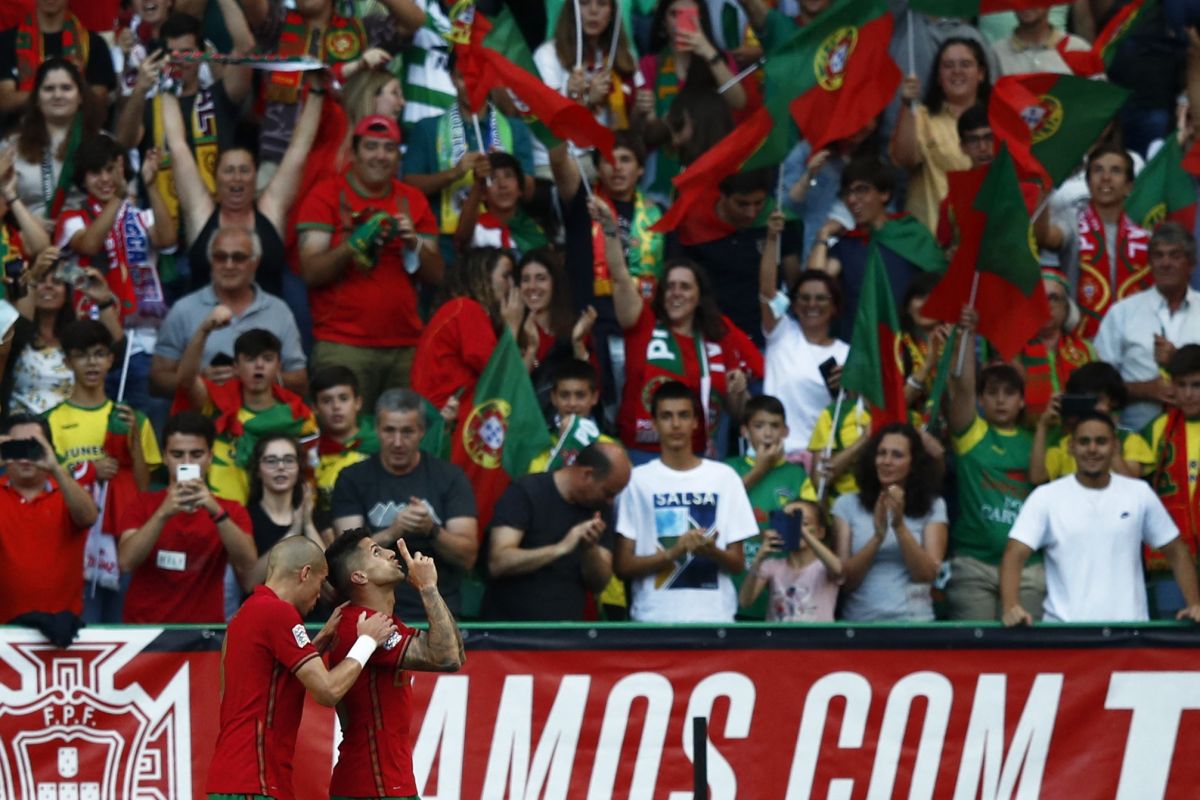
[[681, 521], [1091, 527]]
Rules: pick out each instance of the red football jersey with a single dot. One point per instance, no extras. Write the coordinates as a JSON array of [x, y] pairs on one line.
[[375, 756], [261, 698]]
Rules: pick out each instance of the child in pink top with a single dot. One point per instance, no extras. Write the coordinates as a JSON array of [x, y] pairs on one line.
[[804, 584]]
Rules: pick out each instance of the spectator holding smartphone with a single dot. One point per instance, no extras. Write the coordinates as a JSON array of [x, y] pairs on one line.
[[804, 584], [177, 541]]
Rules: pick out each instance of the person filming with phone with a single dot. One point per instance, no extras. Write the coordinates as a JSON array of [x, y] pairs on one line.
[[46, 516], [177, 541]]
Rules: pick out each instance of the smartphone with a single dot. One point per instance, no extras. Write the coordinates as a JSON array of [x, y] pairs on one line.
[[187, 472], [21, 450], [788, 527], [70, 273], [13, 267], [827, 367], [1076, 405], [687, 19]]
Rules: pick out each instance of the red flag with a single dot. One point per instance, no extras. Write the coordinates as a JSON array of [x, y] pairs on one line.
[[96, 15], [856, 79], [1096, 61], [725, 158], [1011, 129], [993, 220]]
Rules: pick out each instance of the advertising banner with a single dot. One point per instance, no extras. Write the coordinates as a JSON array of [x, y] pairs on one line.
[[600, 713]]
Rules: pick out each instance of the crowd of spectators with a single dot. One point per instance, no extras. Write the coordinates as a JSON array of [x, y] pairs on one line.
[[245, 304]]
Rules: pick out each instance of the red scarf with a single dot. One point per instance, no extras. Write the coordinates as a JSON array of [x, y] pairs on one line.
[[1046, 373], [1170, 481], [342, 41], [1096, 291], [227, 399], [31, 50]]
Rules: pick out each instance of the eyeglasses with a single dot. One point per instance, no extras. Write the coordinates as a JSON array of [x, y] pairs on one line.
[[275, 462], [237, 258]]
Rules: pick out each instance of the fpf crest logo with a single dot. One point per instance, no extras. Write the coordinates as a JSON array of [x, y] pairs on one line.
[[67, 732]]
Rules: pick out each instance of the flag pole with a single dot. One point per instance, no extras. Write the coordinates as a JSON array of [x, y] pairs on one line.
[[479, 138], [578, 35], [741, 76], [779, 191], [616, 35], [124, 369], [912, 56], [587, 186], [966, 341], [828, 451]]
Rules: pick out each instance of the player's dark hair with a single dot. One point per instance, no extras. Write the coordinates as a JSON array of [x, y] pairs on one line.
[[341, 557]]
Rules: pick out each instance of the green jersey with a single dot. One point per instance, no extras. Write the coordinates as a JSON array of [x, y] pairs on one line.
[[993, 482]]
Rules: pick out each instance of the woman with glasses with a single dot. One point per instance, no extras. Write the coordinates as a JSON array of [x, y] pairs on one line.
[[796, 325], [280, 503]]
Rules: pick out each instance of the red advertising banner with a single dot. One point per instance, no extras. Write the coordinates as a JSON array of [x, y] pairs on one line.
[[599, 713]]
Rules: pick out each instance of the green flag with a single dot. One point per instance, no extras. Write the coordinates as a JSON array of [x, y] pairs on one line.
[[1163, 190], [502, 430], [505, 38], [907, 237], [873, 368], [1007, 247]]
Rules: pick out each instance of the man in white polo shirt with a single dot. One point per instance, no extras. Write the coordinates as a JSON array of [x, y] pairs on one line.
[[1091, 527]]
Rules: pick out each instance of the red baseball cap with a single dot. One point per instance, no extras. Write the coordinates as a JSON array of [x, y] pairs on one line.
[[378, 126]]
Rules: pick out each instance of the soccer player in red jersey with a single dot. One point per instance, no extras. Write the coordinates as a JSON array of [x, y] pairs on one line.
[[375, 756], [268, 662]]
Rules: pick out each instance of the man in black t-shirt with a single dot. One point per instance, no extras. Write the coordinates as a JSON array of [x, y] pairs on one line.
[[61, 34], [405, 493], [551, 539]]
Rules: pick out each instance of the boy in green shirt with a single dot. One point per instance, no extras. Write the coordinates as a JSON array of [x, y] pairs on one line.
[[771, 481], [992, 455]]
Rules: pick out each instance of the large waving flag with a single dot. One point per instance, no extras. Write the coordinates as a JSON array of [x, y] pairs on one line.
[[873, 368], [502, 429], [484, 67], [830, 78], [1048, 121], [998, 250], [1163, 190], [1098, 59]]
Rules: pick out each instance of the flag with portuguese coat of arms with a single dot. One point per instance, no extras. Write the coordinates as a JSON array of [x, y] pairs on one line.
[[502, 429]]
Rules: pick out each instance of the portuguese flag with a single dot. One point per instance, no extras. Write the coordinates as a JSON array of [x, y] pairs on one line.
[[830, 78], [1163, 190], [873, 369], [1049, 121], [905, 236], [846, 76], [1099, 58], [997, 245], [502, 431], [495, 56], [973, 8]]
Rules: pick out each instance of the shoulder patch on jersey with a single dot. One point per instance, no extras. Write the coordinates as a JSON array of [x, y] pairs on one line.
[[300, 635], [392, 641]]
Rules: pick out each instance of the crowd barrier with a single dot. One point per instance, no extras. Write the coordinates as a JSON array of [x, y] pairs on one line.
[[572, 711]]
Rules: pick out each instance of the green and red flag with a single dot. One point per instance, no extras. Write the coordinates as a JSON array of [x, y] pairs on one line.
[[966, 9], [997, 259], [839, 69], [495, 56], [502, 429], [905, 236], [1163, 190], [1099, 58], [1048, 121], [874, 369]]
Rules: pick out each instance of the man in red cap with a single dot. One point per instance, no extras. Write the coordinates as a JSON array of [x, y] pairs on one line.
[[365, 238]]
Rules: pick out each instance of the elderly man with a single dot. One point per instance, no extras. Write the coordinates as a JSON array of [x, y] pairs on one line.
[[228, 307], [552, 540], [365, 239], [46, 516], [1140, 333], [403, 493]]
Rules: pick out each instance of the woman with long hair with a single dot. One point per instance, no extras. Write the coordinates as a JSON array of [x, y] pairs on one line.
[[892, 532], [60, 113], [589, 60], [280, 502], [679, 335], [478, 298], [925, 141]]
